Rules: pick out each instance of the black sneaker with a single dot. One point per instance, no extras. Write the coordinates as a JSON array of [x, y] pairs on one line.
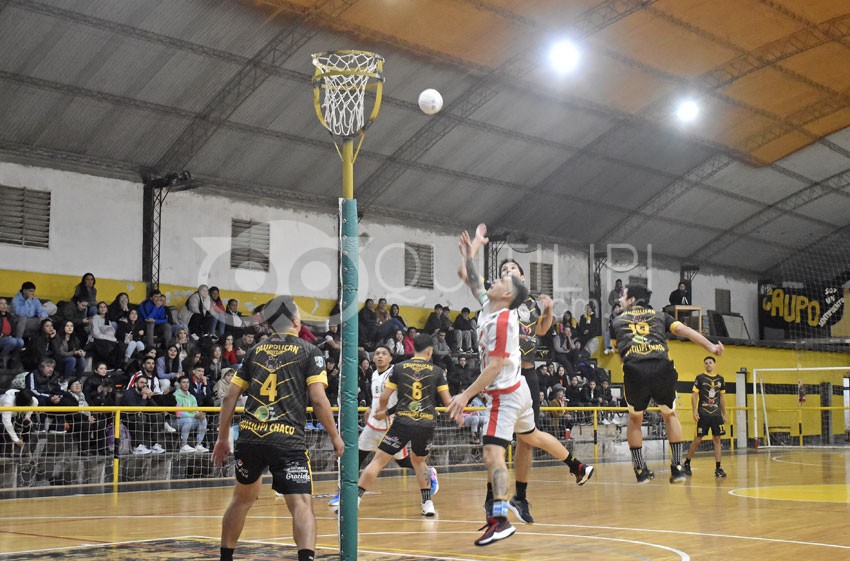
[[520, 508], [677, 474], [583, 473], [687, 468], [643, 475], [496, 529], [719, 472], [488, 509]]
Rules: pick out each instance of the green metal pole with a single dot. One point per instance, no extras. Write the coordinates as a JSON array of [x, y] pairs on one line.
[[349, 465]]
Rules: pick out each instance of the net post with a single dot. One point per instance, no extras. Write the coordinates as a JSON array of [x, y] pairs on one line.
[[116, 466], [349, 465]]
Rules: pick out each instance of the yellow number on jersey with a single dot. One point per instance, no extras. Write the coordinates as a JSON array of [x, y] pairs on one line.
[[639, 328], [417, 390], [269, 387]]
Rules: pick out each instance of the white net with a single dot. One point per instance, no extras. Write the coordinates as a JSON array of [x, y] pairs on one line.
[[340, 84]]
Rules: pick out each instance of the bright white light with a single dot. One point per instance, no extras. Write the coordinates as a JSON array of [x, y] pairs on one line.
[[564, 56], [687, 111]]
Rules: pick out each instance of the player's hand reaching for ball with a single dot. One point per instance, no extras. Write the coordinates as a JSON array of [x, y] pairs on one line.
[[545, 302]]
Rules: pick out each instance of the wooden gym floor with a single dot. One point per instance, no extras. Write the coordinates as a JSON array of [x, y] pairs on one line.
[[792, 503]]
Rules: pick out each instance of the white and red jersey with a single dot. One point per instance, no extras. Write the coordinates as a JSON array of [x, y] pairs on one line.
[[498, 335], [379, 380]]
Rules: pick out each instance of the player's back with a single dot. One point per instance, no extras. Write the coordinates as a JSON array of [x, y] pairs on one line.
[[275, 375], [642, 333], [417, 383]]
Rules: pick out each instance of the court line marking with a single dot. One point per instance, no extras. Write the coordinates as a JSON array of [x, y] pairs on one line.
[[84, 545], [734, 493]]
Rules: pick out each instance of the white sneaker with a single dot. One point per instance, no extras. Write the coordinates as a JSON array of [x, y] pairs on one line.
[[428, 509], [186, 449], [201, 448], [141, 449], [157, 449], [606, 422], [168, 428]]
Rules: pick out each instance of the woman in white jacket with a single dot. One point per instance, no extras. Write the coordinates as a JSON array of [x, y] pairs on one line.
[[103, 335], [196, 314]]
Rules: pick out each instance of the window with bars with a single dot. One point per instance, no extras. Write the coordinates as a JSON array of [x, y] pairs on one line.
[[24, 217], [722, 301], [249, 245], [540, 279], [418, 265], [638, 280]]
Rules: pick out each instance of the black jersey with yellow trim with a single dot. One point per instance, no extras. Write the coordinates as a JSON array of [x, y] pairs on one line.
[[642, 333], [529, 315], [417, 383], [709, 389], [274, 376]]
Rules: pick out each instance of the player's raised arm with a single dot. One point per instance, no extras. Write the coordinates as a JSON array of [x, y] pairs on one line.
[[468, 272], [683, 330]]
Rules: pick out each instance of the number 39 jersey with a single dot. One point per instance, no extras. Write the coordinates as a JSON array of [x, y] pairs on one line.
[[274, 376], [642, 333]]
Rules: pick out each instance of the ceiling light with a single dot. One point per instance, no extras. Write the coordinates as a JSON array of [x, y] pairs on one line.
[[564, 56], [687, 111]]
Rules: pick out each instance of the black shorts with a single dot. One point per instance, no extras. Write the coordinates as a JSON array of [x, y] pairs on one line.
[[649, 379], [534, 387], [400, 434], [713, 422], [290, 469]]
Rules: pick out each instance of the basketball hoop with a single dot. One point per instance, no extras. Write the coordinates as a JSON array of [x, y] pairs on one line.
[[339, 90]]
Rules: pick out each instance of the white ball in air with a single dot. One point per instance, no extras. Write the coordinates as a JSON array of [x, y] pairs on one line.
[[430, 101]]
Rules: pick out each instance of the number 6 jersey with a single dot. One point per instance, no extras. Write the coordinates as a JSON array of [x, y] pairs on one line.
[[417, 383], [642, 333], [274, 376]]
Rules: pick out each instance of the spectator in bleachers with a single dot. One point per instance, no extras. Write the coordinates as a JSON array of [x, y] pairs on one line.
[[142, 426], [568, 320], [99, 388], [243, 344], [234, 324], [447, 326], [408, 341], [307, 335], [217, 313], [331, 342], [191, 360], [332, 389], [200, 386], [544, 380], [395, 315], [188, 421], [138, 363], [18, 425], [196, 313], [396, 345], [679, 297], [229, 351], [158, 387], [442, 355], [589, 329], [214, 364], [561, 421], [82, 421], [223, 386], [563, 348], [468, 371], [130, 334], [382, 313], [70, 358], [608, 400], [168, 366], [152, 311], [591, 396], [434, 321], [364, 381], [104, 339], [466, 339], [28, 310], [10, 345], [43, 383], [119, 309], [368, 320], [185, 345], [77, 312], [573, 392], [86, 291], [43, 344], [387, 325]]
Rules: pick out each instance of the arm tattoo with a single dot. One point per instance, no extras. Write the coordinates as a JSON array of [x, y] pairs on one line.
[[500, 483], [473, 281]]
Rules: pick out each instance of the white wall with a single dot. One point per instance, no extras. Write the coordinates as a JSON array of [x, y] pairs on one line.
[[95, 224]]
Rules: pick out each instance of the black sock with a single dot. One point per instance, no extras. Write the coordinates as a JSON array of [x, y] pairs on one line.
[[489, 493], [521, 487], [637, 458], [716, 465], [687, 461], [572, 463], [226, 553], [426, 494], [306, 555], [361, 491]]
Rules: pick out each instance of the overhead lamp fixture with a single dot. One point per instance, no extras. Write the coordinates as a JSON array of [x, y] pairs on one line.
[[564, 56], [687, 111]]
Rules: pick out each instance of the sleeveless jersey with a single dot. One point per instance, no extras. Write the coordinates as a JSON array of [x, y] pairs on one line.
[[379, 380], [274, 376], [498, 335]]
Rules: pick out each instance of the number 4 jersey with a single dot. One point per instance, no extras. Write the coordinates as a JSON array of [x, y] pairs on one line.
[[274, 377], [642, 333]]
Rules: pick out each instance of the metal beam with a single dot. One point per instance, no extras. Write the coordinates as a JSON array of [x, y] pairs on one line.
[[744, 228], [837, 238]]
